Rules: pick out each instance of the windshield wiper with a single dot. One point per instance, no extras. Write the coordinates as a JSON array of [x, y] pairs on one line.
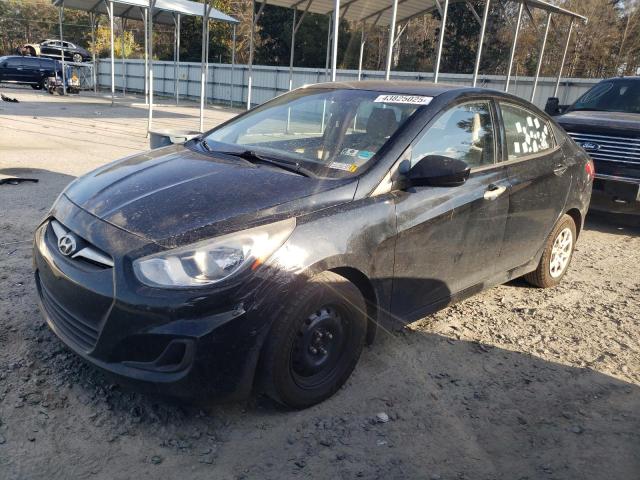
[[253, 157]]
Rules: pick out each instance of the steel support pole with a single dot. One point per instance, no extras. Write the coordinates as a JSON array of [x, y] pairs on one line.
[[481, 42], [544, 45], [392, 38], [362, 36], [113, 62], [176, 67], [204, 59], [293, 46], [64, 72], [336, 28], [92, 19], [443, 27], [564, 58], [124, 72], [512, 55], [150, 47], [143, 13], [233, 66], [254, 23], [326, 62]]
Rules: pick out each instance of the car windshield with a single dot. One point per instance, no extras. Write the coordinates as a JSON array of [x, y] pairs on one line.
[[334, 131], [611, 96]]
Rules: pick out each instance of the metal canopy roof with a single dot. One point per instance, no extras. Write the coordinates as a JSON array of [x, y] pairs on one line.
[[379, 11], [130, 9]]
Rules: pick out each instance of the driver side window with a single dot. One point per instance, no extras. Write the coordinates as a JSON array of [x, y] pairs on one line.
[[465, 132]]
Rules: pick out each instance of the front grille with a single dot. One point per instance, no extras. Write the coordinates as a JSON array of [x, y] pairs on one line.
[[79, 331], [615, 149]]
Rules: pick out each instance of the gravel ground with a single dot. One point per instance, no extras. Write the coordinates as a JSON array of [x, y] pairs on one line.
[[514, 383]]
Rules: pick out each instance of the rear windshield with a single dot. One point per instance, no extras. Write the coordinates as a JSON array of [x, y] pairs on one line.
[[338, 130], [611, 96]]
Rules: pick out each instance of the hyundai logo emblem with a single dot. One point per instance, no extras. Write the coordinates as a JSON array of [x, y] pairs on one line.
[[590, 146], [67, 244]]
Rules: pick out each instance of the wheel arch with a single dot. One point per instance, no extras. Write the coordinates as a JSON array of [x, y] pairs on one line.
[[576, 215], [363, 283]]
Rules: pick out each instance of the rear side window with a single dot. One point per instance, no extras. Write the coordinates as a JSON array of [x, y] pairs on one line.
[[526, 133], [14, 62], [465, 132]]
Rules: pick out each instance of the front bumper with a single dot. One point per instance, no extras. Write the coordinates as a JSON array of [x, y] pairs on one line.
[[177, 343], [616, 195]]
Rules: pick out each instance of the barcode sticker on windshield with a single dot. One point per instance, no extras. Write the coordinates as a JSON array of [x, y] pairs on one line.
[[410, 99]]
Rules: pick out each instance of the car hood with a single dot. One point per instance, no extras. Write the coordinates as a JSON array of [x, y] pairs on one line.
[[627, 122], [174, 195]]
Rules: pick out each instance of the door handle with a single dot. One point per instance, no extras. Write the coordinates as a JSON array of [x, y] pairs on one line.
[[493, 192], [560, 169]]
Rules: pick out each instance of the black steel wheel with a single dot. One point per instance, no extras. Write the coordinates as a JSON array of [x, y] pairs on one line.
[[315, 343]]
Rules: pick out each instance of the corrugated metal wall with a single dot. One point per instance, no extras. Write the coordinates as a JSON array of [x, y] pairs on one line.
[[268, 82]]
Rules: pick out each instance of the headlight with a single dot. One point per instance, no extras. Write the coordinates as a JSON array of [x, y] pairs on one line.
[[213, 260]]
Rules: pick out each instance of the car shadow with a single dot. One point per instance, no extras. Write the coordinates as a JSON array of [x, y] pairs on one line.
[[614, 223]]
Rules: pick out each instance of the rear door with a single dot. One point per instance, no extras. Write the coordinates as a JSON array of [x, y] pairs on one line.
[[540, 176], [449, 238], [31, 69]]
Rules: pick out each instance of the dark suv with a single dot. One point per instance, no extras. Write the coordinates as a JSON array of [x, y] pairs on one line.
[[28, 70], [605, 121]]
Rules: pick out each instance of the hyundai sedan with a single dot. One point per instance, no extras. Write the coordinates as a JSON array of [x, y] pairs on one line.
[[263, 254]]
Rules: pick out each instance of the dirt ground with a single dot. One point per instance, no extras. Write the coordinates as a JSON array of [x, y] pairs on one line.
[[514, 383]]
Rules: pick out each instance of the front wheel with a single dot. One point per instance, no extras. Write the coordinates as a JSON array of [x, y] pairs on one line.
[[315, 343], [77, 58], [557, 255]]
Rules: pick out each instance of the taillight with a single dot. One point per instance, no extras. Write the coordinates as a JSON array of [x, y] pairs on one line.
[[590, 169]]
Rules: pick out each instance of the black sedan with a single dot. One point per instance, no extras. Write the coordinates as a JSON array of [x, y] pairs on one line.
[[264, 253]]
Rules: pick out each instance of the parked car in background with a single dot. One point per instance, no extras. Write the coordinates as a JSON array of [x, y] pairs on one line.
[[32, 71], [265, 252], [53, 49], [605, 121]]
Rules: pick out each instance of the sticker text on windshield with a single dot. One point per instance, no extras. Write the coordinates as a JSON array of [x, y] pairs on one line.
[[411, 99]]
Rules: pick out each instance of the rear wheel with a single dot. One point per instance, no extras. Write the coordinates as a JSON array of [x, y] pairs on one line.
[[557, 255], [315, 343]]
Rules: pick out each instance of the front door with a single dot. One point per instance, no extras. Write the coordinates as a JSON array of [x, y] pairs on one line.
[[448, 238], [540, 176]]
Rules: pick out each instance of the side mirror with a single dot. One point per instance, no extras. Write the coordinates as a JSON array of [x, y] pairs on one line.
[[438, 171], [553, 107]]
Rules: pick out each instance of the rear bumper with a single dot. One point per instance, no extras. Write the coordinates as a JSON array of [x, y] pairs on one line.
[[616, 195]]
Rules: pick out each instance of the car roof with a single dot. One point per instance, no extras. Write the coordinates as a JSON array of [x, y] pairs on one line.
[[392, 86]]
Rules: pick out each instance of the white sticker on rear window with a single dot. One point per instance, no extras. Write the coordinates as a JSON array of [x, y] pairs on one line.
[[410, 99]]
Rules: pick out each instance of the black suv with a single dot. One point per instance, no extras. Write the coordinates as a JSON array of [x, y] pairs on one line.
[[605, 121], [28, 70]]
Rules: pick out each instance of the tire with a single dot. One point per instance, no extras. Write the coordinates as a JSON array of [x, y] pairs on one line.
[[315, 343], [77, 58], [555, 261]]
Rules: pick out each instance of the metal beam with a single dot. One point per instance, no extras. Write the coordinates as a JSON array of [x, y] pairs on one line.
[[254, 22], [362, 39], [483, 28], [124, 65], [152, 4], [233, 65], [176, 65], [544, 45], [443, 27], [564, 57], [473, 11], [204, 66], [513, 47], [336, 29], [392, 37], [64, 72]]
